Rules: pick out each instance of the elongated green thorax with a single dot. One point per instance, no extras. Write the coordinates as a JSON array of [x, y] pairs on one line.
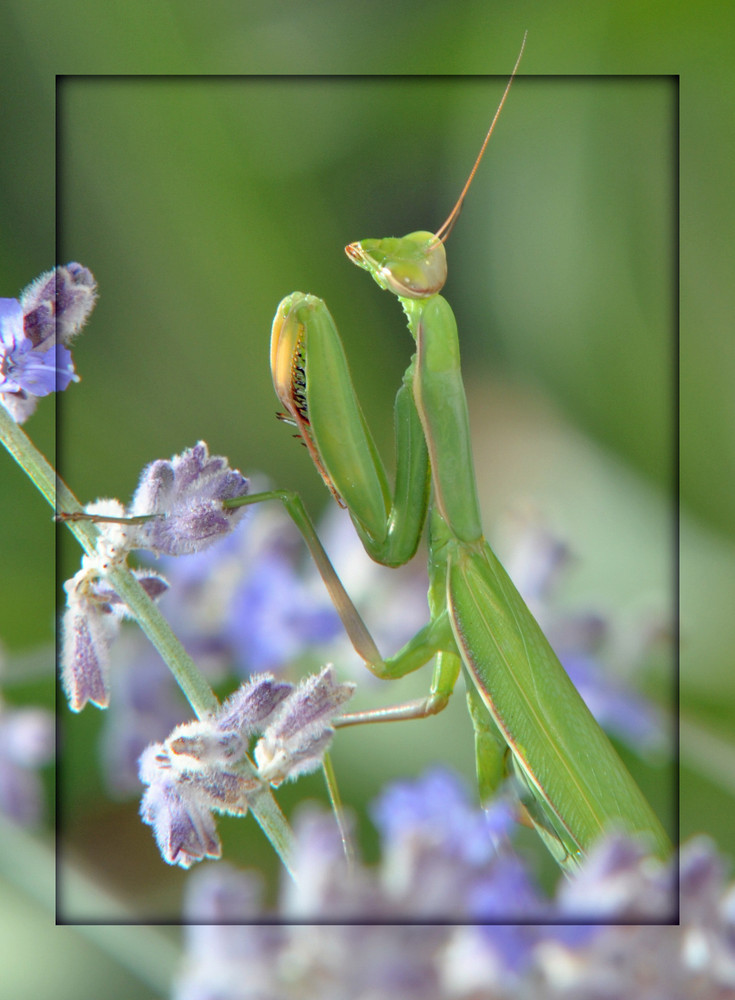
[[442, 405]]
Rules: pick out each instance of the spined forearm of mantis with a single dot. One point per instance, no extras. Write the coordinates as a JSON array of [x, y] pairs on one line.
[[528, 717]]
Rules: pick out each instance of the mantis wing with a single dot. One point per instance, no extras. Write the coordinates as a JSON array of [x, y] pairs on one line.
[[568, 762]]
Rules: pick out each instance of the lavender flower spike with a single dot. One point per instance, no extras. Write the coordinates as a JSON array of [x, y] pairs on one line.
[[190, 775], [34, 359], [202, 768], [92, 618], [88, 631], [188, 490], [58, 304], [297, 739]]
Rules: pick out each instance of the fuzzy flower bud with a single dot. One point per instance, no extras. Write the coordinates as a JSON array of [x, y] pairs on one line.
[[92, 618], [88, 630], [184, 828], [58, 304], [188, 490], [34, 359], [251, 707], [202, 768], [189, 776], [297, 739]]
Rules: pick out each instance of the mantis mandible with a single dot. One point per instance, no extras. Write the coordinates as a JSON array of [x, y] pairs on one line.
[[527, 715]]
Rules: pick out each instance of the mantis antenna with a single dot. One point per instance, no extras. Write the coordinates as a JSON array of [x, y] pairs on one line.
[[442, 234]]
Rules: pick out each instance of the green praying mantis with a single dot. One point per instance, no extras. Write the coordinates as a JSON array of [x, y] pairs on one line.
[[528, 717]]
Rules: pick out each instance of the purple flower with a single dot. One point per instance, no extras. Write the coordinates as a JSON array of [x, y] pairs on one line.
[[34, 360], [463, 962], [445, 858], [524, 960], [246, 598], [152, 583], [182, 794], [188, 491], [24, 368], [92, 618], [224, 958], [88, 631], [200, 589], [295, 742], [702, 873], [493, 958], [217, 899], [272, 615], [249, 599], [251, 707], [221, 894], [505, 890], [326, 886], [203, 765], [26, 743], [58, 304], [184, 829], [437, 805]]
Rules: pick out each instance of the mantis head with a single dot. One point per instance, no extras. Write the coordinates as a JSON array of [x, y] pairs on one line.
[[412, 267], [415, 266]]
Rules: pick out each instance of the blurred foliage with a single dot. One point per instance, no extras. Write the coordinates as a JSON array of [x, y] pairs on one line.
[[199, 201]]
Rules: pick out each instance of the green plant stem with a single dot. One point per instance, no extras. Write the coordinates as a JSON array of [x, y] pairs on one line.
[[198, 693]]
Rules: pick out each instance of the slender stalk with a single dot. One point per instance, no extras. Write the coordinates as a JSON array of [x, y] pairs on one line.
[[356, 629], [336, 802], [198, 693]]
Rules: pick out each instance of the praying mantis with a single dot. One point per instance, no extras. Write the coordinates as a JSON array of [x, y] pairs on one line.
[[528, 717]]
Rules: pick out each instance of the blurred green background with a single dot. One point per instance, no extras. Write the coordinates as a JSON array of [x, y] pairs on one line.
[[199, 200]]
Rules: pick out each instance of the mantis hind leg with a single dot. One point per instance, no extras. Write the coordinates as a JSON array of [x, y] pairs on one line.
[[445, 676]]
